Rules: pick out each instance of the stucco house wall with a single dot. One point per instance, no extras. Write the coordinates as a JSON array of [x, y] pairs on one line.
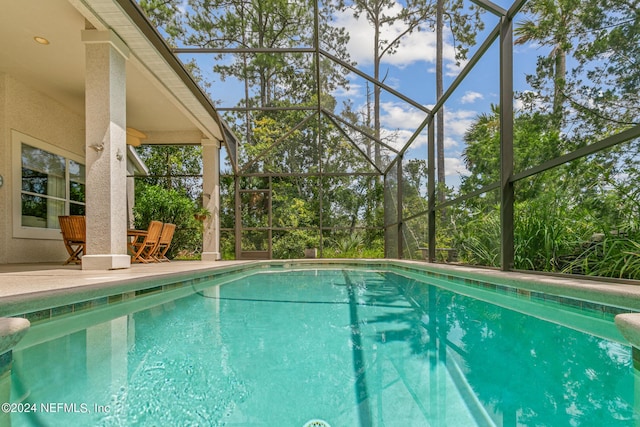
[[52, 97], [30, 112], [5, 171]]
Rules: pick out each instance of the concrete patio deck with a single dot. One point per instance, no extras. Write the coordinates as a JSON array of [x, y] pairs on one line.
[[25, 279]]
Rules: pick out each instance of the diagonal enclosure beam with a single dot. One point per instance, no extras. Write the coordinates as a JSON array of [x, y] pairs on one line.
[[611, 141], [346, 135], [426, 122], [374, 81], [515, 8], [491, 7], [341, 120], [417, 133], [467, 68]]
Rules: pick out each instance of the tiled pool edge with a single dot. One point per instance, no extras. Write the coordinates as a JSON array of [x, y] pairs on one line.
[[96, 294], [560, 289], [563, 290], [570, 291]]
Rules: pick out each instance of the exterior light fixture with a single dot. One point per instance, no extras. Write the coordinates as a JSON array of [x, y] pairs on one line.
[[135, 137], [41, 40]]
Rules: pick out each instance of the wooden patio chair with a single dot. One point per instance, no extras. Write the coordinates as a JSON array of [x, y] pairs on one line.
[[144, 247], [166, 236], [74, 236]]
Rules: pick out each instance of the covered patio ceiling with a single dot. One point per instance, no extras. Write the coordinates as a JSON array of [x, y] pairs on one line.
[[163, 101]]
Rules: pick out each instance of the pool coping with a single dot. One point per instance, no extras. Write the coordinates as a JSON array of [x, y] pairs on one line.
[[623, 295], [64, 299], [108, 285], [629, 326]]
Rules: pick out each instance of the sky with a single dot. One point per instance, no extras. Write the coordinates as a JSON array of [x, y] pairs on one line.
[[411, 72]]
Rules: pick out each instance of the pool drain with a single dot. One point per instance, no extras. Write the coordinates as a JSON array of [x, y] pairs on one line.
[[317, 423]]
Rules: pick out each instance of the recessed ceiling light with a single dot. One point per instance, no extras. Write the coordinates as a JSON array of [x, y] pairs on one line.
[[41, 40]]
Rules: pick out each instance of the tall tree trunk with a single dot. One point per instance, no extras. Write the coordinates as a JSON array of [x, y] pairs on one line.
[[439, 92], [263, 73], [368, 141], [558, 85], [376, 94], [246, 81]]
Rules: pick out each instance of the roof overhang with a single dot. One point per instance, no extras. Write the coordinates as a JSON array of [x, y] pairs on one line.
[[162, 97]]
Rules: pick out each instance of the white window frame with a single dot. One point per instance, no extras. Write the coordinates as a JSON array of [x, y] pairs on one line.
[[20, 231]]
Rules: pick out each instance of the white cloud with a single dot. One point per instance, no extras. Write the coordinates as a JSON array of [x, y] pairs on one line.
[[415, 47], [518, 104], [534, 101], [452, 69], [457, 122], [395, 115], [453, 166], [450, 142], [403, 120], [525, 49], [397, 138], [470, 97], [354, 90]]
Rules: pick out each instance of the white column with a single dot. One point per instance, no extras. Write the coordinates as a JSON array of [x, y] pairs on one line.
[[211, 199], [106, 151]]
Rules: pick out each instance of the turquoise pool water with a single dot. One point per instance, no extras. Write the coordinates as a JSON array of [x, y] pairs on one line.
[[347, 346]]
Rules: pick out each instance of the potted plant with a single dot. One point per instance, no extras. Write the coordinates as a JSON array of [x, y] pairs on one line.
[[311, 247], [311, 252], [201, 214]]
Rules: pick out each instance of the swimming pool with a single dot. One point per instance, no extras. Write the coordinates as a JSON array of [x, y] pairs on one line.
[[350, 346]]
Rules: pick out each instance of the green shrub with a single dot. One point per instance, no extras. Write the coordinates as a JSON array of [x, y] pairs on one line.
[[617, 255]]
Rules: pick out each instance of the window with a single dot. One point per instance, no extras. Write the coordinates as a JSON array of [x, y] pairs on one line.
[[51, 184]]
